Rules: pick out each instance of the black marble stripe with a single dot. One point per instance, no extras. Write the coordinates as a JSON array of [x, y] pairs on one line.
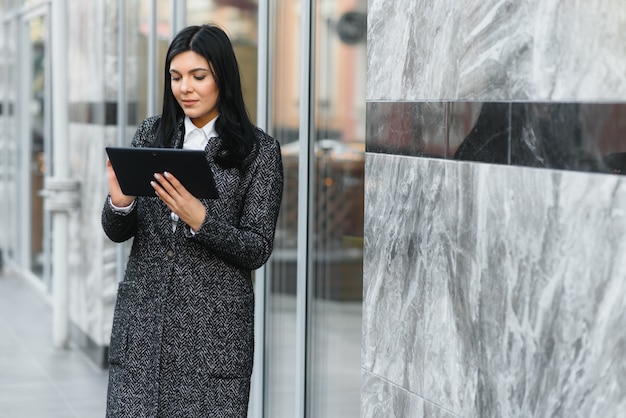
[[587, 137], [100, 113]]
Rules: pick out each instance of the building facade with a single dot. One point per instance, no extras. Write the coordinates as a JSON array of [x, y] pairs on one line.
[[457, 254], [494, 277], [78, 76]]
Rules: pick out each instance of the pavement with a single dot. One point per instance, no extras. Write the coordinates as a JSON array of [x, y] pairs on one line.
[[37, 380]]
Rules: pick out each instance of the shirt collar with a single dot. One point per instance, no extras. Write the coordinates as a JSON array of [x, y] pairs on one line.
[[208, 130]]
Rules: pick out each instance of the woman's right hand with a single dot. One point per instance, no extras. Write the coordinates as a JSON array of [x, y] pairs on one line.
[[118, 198]]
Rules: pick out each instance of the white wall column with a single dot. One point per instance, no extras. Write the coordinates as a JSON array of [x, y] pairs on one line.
[[60, 191]]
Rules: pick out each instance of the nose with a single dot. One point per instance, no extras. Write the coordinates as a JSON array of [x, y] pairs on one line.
[[185, 86]]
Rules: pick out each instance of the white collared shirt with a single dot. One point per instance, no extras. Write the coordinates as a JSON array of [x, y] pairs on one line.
[[197, 138]]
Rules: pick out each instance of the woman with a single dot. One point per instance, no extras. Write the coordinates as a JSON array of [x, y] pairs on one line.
[[182, 339]]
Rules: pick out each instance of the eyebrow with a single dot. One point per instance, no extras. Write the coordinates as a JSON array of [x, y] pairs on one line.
[[195, 70]]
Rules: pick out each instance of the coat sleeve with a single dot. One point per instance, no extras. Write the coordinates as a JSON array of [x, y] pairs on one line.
[[120, 227], [250, 244]]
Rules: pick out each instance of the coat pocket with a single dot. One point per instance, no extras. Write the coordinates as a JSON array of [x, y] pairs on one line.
[[227, 345], [119, 331]]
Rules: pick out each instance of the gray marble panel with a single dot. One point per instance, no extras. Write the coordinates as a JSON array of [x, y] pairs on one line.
[[381, 398], [496, 290], [496, 50]]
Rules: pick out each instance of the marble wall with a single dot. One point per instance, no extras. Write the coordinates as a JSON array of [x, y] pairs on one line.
[[496, 50], [493, 290], [494, 279]]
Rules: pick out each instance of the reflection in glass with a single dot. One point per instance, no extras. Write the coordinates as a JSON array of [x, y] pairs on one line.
[[38, 125], [136, 63], [9, 236], [334, 346], [550, 135], [144, 99], [588, 137], [240, 20], [163, 37], [407, 128], [280, 306]]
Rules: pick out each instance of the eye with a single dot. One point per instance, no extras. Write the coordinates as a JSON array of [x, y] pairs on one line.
[[199, 77], [175, 78]]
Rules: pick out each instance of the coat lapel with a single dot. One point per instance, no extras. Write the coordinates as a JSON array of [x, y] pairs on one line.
[[180, 136]]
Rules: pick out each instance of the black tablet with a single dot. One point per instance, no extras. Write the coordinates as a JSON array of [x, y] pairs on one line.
[[135, 168]]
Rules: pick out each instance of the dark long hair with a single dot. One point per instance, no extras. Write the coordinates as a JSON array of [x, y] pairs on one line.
[[233, 125]]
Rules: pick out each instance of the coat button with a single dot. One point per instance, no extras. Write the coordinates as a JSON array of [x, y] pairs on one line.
[[170, 253]]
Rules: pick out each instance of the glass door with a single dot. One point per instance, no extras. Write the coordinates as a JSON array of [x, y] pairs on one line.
[[335, 295], [284, 106], [34, 135], [316, 110]]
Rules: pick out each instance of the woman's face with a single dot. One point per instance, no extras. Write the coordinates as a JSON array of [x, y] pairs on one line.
[[194, 87]]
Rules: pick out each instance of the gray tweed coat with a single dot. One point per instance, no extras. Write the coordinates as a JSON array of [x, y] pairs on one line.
[[182, 339]]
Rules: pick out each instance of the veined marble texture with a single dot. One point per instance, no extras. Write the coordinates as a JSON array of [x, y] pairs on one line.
[[496, 50], [381, 398], [493, 291]]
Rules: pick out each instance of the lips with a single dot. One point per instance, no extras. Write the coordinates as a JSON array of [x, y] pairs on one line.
[[189, 102]]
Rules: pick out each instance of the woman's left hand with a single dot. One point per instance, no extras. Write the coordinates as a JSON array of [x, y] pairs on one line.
[[188, 208]]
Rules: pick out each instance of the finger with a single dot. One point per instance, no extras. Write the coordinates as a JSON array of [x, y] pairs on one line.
[[110, 170], [162, 194], [158, 186], [177, 185], [117, 196], [165, 185]]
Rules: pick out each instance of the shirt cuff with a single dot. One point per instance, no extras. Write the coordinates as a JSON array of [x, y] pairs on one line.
[[124, 209], [189, 232]]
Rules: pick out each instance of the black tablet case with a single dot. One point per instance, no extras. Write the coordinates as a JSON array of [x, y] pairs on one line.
[[135, 168]]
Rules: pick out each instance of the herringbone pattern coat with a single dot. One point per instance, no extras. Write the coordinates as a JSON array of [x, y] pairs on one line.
[[182, 339]]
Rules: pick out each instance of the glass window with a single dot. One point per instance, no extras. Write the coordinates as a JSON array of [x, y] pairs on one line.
[[149, 31], [33, 130], [147, 37], [38, 122], [8, 143], [137, 30], [240, 21], [335, 284], [335, 315], [284, 109], [25, 138]]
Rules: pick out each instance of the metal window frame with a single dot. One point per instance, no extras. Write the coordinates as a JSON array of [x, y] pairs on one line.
[[151, 107], [7, 27], [306, 190], [261, 287], [23, 151], [306, 177], [122, 102], [179, 16]]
